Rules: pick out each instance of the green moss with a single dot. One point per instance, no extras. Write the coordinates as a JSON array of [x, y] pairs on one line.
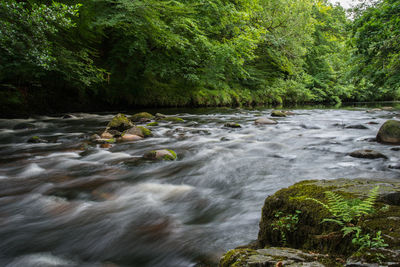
[[172, 153], [236, 257], [173, 119], [389, 132], [120, 123], [146, 132], [35, 138], [111, 140], [141, 115], [154, 123]]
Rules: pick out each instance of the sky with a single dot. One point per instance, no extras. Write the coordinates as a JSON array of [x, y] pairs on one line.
[[344, 3]]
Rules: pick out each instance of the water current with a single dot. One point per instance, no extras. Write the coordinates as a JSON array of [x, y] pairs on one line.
[[65, 203]]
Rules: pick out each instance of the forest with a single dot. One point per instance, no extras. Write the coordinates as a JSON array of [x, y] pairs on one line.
[[80, 55]]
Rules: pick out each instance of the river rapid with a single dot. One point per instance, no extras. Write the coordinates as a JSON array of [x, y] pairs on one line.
[[65, 203]]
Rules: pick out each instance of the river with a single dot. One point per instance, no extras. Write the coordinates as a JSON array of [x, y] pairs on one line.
[[64, 203]]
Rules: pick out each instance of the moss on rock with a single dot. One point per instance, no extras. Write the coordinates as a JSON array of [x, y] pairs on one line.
[[172, 119], [140, 116], [119, 123], [154, 123], [162, 154], [389, 132], [278, 113]]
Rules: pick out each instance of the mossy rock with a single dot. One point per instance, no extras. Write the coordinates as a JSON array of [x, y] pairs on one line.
[[311, 234], [140, 131], [232, 125], [142, 116], [172, 119], [151, 124], [119, 123], [278, 113], [367, 154], [389, 132], [162, 154]]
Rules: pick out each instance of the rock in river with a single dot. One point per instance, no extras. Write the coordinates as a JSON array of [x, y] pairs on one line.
[[278, 113], [119, 123], [265, 121], [367, 154], [389, 132], [141, 117], [131, 137], [301, 206], [140, 131], [232, 125], [163, 154]]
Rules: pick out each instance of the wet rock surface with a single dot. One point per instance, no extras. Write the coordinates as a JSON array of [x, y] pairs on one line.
[[367, 154]]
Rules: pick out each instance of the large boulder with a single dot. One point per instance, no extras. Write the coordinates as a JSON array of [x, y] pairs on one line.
[[300, 207], [119, 123], [389, 132]]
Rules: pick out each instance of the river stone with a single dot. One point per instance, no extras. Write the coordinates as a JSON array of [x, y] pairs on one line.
[[232, 125], [106, 135], [367, 154], [265, 121], [141, 117], [389, 132], [357, 126], [278, 113], [120, 123], [160, 115], [387, 108], [163, 154], [140, 131], [131, 137]]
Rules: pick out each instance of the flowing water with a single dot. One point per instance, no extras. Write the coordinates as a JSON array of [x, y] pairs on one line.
[[64, 203]]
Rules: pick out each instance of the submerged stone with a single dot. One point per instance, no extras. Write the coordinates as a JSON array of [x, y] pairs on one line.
[[367, 154], [389, 132], [357, 126]]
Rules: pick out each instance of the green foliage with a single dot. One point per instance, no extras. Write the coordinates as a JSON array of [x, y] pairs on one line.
[[348, 213], [285, 223]]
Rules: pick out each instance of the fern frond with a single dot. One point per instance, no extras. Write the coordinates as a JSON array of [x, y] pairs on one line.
[[334, 221]]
